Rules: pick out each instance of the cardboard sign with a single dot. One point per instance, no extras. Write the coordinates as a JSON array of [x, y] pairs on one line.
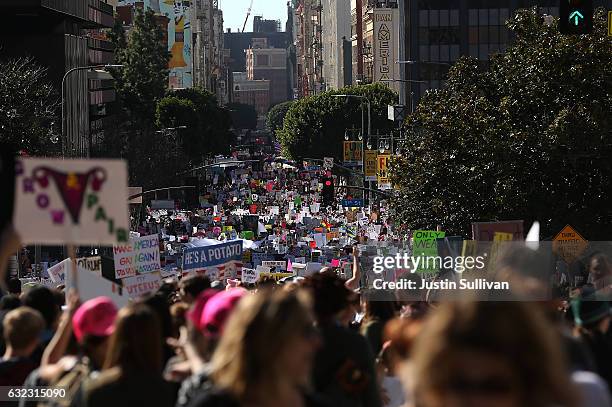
[[218, 255], [141, 284], [250, 276], [141, 256], [71, 201], [425, 245], [569, 244]]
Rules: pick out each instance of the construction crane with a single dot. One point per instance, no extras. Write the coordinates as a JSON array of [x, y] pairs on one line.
[[247, 16]]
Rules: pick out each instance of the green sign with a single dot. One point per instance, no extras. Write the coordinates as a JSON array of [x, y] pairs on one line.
[[425, 250]]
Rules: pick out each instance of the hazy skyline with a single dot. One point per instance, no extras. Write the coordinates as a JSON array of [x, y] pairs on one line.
[[234, 12]]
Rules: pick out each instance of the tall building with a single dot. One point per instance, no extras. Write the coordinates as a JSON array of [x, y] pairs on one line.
[[61, 36], [336, 23], [260, 25], [251, 92], [440, 31], [375, 39], [264, 62], [309, 47], [238, 42]]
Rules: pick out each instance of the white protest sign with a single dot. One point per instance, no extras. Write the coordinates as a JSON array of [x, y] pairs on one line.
[[280, 265], [71, 201], [140, 256], [141, 284], [250, 276], [92, 285], [57, 273], [262, 269]]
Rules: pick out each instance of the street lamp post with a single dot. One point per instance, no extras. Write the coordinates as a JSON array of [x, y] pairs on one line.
[[362, 128], [68, 72]]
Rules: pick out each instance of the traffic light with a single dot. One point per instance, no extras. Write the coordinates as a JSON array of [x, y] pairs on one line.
[[576, 16], [328, 191]]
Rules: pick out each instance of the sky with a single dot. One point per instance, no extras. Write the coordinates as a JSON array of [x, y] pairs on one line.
[[234, 12]]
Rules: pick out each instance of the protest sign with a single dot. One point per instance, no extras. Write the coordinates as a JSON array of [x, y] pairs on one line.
[[91, 264], [92, 285], [143, 284], [275, 276], [279, 265], [219, 255], [71, 201], [250, 276], [485, 231], [425, 246], [57, 273], [140, 256]]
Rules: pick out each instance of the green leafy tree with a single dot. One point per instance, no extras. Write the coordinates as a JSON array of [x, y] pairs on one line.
[[529, 138], [211, 128], [140, 83], [276, 116], [314, 127], [243, 116], [28, 108]]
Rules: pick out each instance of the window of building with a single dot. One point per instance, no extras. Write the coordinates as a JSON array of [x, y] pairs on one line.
[[494, 34], [423, 19], [504, 14], [474, 50], [262, 60], [454, 52], [434, 53], [473, 35], [473, 17], [483, 53], [494, 16], [434, 18], [423, 35], [444, 18], [454, 18], [445, 53], [483, 17]]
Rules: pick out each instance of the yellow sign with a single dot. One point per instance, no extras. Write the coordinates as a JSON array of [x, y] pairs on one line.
[[502, 236], [382, 172], [610, 23], [353, 151], [569, 245], [370, 165]]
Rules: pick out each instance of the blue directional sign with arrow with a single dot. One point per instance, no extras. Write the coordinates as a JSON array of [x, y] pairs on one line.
[[575, 16]]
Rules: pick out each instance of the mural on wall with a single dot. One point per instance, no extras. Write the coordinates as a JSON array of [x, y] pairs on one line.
[[173, 17]]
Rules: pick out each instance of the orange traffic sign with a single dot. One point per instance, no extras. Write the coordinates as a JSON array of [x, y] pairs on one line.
[[569, 244]]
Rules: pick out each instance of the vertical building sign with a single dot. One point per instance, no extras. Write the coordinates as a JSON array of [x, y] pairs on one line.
[[386, 47], [173, 17]]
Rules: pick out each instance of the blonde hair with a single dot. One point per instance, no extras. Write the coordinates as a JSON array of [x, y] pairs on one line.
[[512, 331], [246, 362]]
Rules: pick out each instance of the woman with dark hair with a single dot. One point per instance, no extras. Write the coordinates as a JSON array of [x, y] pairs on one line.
[[132, 374], [378, 311]]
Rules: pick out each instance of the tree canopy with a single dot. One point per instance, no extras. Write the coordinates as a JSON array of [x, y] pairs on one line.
[[276, 116], [524, 139], [315, 126], [243, 116], [28, 108]]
